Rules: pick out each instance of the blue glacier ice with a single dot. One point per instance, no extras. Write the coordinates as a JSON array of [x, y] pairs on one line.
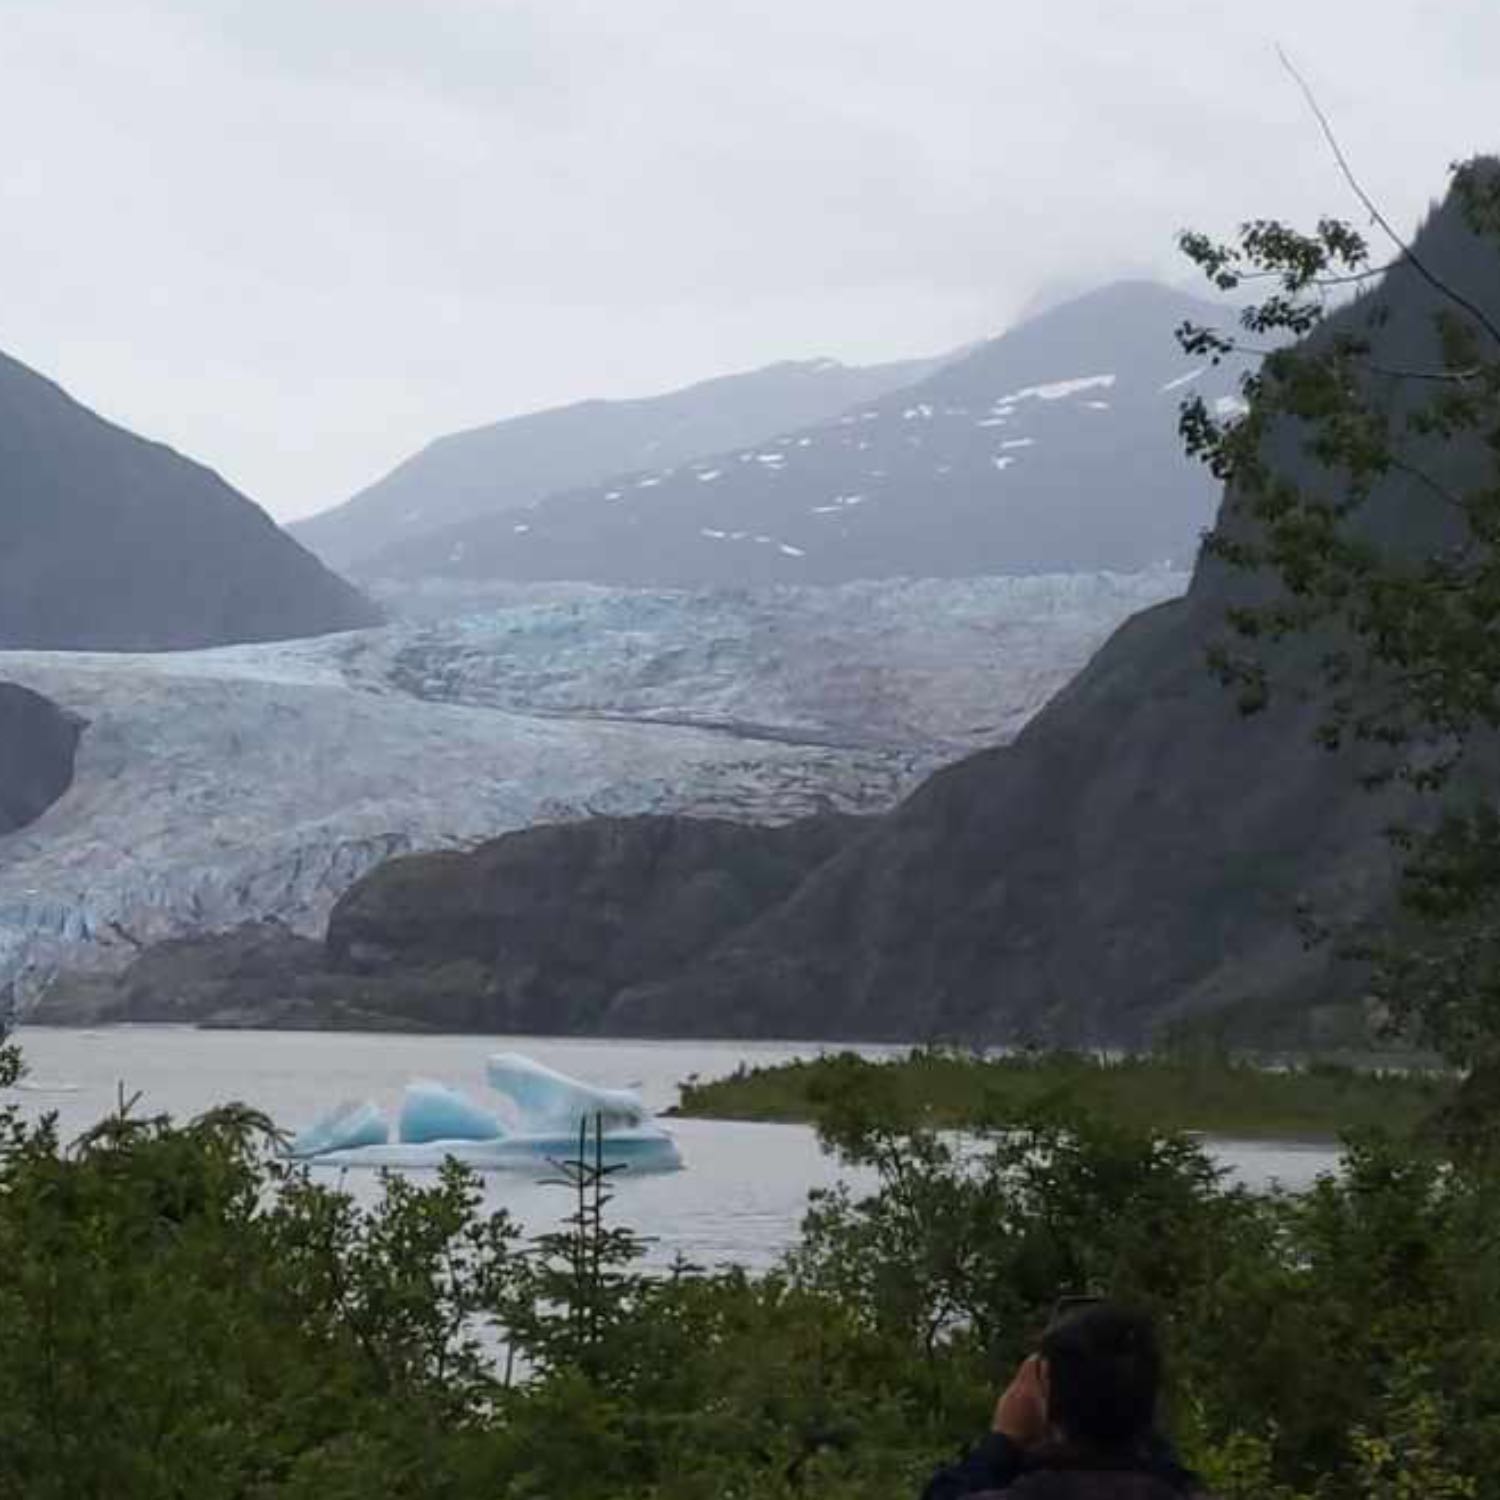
[[352, 1124], [546, 1102], [545, 1111], [434, 1112], [642, 1151]]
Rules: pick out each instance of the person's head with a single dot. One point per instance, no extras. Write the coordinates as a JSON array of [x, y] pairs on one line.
[[1103, 1369]]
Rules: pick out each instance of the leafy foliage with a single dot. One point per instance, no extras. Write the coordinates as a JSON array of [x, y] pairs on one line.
[[1186, 1088], [1364, 508], [187, 1315]]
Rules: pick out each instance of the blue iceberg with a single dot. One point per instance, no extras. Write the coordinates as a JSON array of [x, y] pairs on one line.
[[348, 1126], [434, 1112], [544, 1101], [545, 1112]]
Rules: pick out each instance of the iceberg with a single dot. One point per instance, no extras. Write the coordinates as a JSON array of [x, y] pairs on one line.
[[550, 1113], [641, 1151], [353, 1124], [434, 1112], [547, 1102]]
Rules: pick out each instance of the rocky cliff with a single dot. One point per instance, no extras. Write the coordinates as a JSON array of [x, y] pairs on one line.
[[37, 744]]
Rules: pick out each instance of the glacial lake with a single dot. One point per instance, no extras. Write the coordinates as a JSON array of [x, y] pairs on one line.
[[740, 1198]]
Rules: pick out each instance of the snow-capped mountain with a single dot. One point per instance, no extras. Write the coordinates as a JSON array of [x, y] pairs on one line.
[[220, 786], [512, 463], [1053, 448]]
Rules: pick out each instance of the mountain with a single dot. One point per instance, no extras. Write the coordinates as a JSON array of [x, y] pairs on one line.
[[507, 465], [1138, 856], [1052, 448], [37, 744], [109, 542], [1140, 853]]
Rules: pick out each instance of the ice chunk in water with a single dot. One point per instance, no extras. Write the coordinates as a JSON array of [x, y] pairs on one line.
[[434, 1112], [642, 1151], [355, 1122], [547, 1102]]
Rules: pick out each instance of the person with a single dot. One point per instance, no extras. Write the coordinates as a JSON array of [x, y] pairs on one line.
[[1078, 1421]]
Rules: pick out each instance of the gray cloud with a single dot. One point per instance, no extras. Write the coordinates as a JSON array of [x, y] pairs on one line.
[[296, 238]]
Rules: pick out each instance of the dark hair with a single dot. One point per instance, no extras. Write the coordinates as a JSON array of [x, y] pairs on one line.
[[1103, 1371]]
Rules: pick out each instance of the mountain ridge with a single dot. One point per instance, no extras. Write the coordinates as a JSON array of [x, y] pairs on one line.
[[495, 467], [1050, 448], [113, 541]]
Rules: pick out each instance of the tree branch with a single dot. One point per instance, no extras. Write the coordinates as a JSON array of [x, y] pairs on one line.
[[1418, 265]]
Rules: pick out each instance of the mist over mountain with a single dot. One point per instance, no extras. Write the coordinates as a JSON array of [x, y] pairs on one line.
[[110, 542], [1052, 448], [507, 465]]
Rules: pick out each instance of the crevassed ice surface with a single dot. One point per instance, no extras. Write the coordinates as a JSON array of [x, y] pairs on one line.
[[220, 786]]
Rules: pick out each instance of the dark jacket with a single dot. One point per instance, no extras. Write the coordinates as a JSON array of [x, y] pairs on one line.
[[998, 1467]]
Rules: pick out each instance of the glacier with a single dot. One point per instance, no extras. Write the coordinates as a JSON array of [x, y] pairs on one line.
[[550, 1114], [222, 786]]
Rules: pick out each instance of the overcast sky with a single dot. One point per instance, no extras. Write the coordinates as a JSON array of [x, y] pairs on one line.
[[298, 238]]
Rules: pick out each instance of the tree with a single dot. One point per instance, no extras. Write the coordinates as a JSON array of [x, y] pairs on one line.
[[1363, 484]]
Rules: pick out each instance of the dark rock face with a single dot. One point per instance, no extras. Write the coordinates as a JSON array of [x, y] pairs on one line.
[[561, 918], [109, 542], [1136, 856], [38, 741], [534, 931], [261, 965]]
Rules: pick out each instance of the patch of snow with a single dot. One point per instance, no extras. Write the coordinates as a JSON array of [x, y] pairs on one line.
[[1183, 380], [1057, 390], [792, 551], [458, 552], [1097, 405], [648, 483], [1018, 443], [520, 526], [992, 422], [805, 442], [1230, 406], [1003, 461], [612, 494], [920, 412], [774, 459], [707, 474], [718, 536]]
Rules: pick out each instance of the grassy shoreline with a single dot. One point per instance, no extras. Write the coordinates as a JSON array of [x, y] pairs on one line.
[[1214, 1095]]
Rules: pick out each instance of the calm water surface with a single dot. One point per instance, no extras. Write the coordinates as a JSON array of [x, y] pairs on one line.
[[740, 1199]]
